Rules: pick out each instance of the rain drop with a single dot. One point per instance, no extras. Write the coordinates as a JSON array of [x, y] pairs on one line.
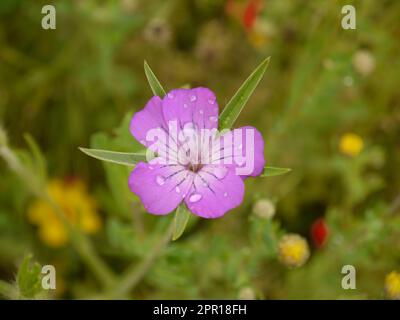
[[225, 194], [160, 180], [177, 189], [220, 172], [201, 111], [193, 98], [185, 105], [211, 100], [213, 118], [195, 197], [170, 95]]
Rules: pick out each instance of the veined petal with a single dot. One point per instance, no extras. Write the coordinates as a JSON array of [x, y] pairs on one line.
[[241, 149], [161, 188], [215, 190], [198, 106], [150, 117]]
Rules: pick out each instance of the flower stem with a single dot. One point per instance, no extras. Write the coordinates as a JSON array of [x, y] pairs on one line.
[[80, 242], [135, 273]]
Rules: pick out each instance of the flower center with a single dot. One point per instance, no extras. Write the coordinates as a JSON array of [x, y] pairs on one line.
[[194, 167]]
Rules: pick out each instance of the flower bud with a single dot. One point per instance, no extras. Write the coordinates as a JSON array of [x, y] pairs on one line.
[[319, 232], [264, 208], [293, 250], [363, 62]]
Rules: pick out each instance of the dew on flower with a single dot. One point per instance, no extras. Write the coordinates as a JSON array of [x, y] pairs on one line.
[[220, 172], [195, 197], [160, 180]]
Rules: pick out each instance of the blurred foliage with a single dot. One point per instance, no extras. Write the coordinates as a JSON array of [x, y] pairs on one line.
[[79, 85]]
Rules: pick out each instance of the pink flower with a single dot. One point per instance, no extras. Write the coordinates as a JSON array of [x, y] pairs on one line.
[[204, 170]]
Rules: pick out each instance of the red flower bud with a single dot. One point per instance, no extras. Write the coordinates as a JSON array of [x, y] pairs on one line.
[[319, 232]]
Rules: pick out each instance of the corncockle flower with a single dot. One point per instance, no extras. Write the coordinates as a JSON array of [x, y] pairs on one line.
[[193, 163]]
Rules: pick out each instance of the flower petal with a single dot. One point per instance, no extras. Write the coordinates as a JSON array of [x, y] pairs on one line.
[[161, 188], [243, 150], [198, 106], [215, 190], [150, 117]]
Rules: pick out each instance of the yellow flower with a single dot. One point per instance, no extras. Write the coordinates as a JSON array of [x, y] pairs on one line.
[[78, 206], [351, 144], [392, 285], [293, 250]]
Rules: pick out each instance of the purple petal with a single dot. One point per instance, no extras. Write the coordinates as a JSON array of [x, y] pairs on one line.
[[150, 117], [197, 106], [215, 190], [161, 188], [242, 149]]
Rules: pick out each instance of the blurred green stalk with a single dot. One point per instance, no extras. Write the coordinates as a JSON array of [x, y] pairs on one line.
[[80, 242], [135, 273]]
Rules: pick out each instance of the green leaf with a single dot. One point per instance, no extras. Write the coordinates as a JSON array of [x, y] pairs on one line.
[[29, 278], [155, 85], [180, 221], [236, 104], [274, 171], [125, 158]]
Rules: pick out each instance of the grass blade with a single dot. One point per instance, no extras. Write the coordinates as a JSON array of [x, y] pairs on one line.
[[125, 158], [274, 171], [235, 106], [155, 85]]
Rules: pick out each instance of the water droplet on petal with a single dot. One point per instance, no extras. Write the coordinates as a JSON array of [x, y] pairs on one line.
[[185, 105], [205, 184], [195, 197], [220, 172], [213, 118], [240, 147], [201, 111], [160, 180], [177, 189], [143, 141], [170, 95], [193, 98], [211, 100], [151, 168], [225, 194]]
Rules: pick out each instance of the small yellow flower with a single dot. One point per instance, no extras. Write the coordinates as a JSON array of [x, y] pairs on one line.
[[392, 285], [293, 250], [78, 206], [351, 144]]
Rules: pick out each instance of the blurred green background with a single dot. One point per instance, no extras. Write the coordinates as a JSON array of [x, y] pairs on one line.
[[328, 107]]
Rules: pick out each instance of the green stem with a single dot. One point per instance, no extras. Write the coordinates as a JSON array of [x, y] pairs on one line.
[[80, 242], [135, 273], [7, 290]]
